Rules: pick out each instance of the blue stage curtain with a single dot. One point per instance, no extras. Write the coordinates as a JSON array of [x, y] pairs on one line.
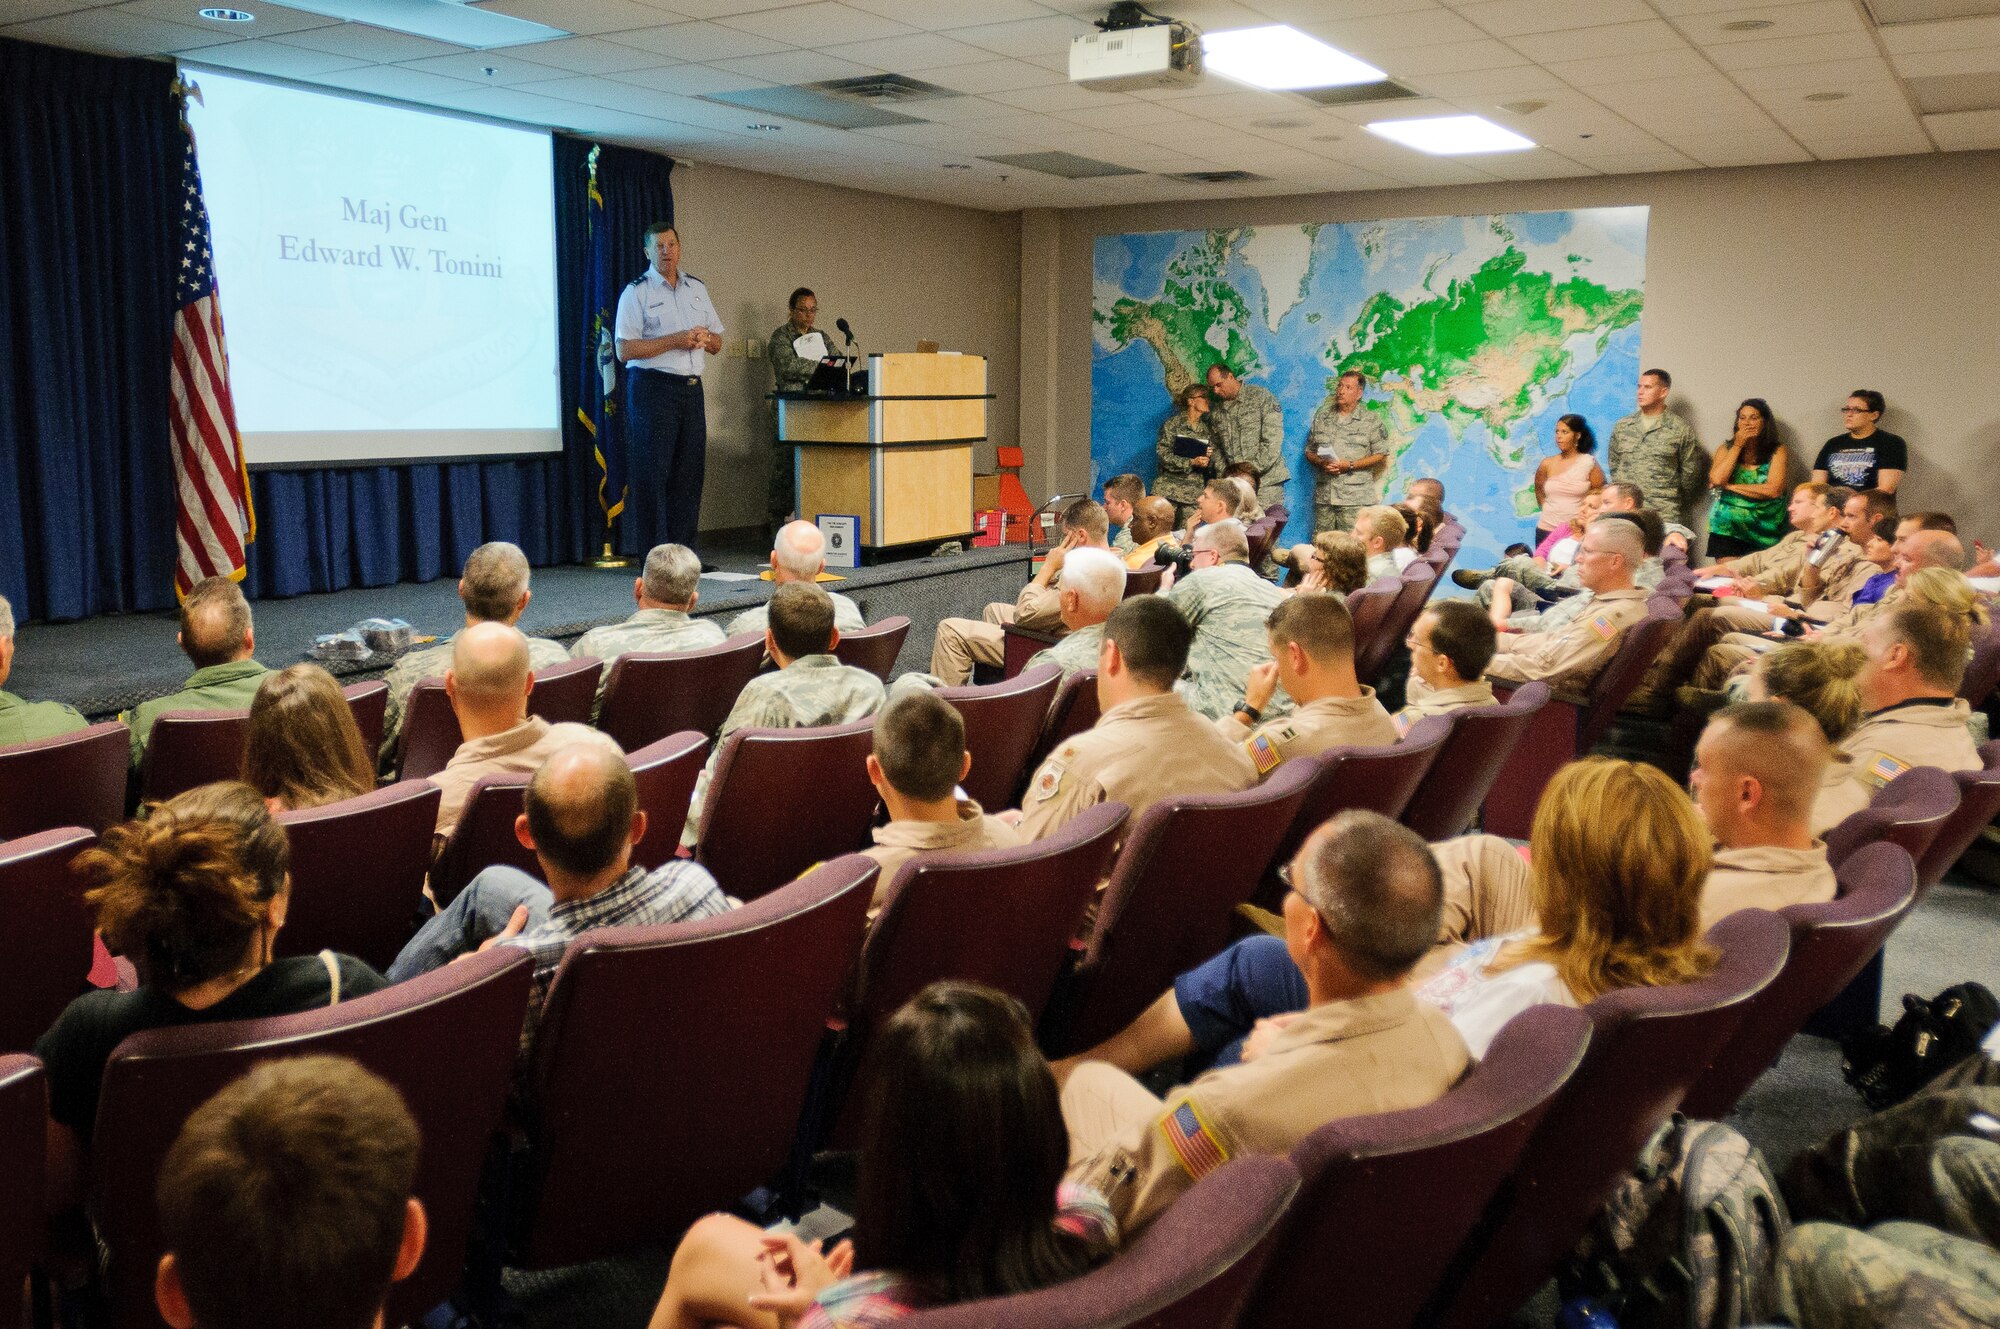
[[325, 530], [89, 185]]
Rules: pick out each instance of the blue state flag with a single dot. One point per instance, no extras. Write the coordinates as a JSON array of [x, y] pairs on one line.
[[597, 404]]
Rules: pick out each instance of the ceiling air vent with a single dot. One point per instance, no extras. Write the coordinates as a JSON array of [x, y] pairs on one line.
[[884, 88], [1360, 94], [1065, 164], [1216, 177]]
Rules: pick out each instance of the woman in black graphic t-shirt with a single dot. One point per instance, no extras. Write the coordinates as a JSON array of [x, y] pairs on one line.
[[1864, 457]]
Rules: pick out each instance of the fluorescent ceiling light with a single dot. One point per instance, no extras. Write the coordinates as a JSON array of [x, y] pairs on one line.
[[1451, 135], [1281, 57]]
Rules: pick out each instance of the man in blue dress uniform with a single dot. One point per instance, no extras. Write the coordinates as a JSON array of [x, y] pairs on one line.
[[666, 327]]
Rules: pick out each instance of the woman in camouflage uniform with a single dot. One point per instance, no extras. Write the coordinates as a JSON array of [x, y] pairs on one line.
[[1181, 479]]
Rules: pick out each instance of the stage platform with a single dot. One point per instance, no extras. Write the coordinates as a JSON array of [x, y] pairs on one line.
[[104, 665]]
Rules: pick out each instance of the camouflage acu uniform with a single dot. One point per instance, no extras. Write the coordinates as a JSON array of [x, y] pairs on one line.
[[1180, 480], [1076, 652], [846, 616], [431, 662], [790, 372], [1337, 499], [1663, 458], [1833, 1277], [1226, 606], [1252, 429], [647, 630], [1524, 572], [812, 690], [25, 721]]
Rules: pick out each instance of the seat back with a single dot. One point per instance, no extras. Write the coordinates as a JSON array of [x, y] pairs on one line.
[[484, 836], [1831, 943], [190, 748], [566, 693], [1143, 581], [1372, 779], [1648, 1046], [1978, 805], [1469, 762], [1642, 644], [1003, 722], [47, 946], [447, 1042], [651, 694], [1172, 896], [74, 779], [874, 648], [1413, 589], [370, 704], [666, 772], [1074, 710], [1369, 607], [1982, 673], [430, 732], [1396, 1194], [1911, 811], [1189, 1270], [358, 872], [824, 770], [24, 1111], [643, 1022]]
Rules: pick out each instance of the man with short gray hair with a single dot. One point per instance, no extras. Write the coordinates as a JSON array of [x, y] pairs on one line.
[[25, 721], [962, 643], [1093, 585], [494, 589], [1607, 556], [799, 555], [218, 637], [665, 593], [1227, 604]]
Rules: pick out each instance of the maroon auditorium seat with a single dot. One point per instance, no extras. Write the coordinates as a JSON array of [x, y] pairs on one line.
[[74, 779], [24, 1110], [1003, 722], [46, 947], [823, 772], [874, 648], [358, 872], [650, 694], [1478, 745]]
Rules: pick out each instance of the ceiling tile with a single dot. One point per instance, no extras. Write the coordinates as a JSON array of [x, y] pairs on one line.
[[1611, 70], [1489, 84], [377, 45], [966, 110], [25, 11], [1953, 35], [697, 41], [1540, 164], [933, 14], [1033, 39], [588, 55], [989, 75], [1452, 58], [1612, 40], [1393, 32], [1640, 162], [1870, 75], [1824, 46], [269, 57], [514, 104], [412, 85], [818, 25], [794, 67], [1835, 143], [1740, 149], [112, 33], [587, 17], [1062, 97], [1683, 8], [272, 20], [918, 50], [1786, 20], [1123, 115], [1515, 18], [1958, 131], [472, 65], [1221, 105], [686, 80], [1928, 64], [723, 8]]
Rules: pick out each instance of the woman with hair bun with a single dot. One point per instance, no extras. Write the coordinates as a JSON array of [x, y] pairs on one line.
[[1819, 677], [194, 897]]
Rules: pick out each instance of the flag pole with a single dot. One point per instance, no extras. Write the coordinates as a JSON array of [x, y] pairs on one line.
[[609, 558]]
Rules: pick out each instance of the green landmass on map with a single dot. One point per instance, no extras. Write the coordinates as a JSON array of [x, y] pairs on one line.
[[1197, 319]]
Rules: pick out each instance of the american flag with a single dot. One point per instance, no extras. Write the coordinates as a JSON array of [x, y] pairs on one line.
[[1192, 1142], [212, 516]]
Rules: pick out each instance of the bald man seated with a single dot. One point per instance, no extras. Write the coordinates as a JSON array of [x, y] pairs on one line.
[[489, 681], [799, 555], [1152, 526]]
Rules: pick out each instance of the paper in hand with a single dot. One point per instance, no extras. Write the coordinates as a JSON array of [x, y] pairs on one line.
[[812, 346]]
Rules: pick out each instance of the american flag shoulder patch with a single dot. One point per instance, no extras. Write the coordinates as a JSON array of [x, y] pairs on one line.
[[1602, 625], [1884, 769], [1264, 754], [1193, 1140]]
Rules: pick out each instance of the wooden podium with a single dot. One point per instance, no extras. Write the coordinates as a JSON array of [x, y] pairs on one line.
[[899, 458]]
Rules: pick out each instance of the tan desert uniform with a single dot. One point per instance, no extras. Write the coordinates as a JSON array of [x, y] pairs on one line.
[[517, 751], [648, 630], [432, 662], [1575, 654], [962, 642], [900, 841], [1837, 592], [1139, 752], [1311, 729], [1425, 701], [1777, 569], [1888, 743], [1382, 1053], [1765, 877]]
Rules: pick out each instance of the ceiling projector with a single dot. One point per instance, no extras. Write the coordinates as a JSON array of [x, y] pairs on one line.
[[1136, 50]]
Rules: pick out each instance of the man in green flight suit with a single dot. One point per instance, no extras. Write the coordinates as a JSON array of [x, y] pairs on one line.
[[25, 721], [1248, 425], [216, 635]]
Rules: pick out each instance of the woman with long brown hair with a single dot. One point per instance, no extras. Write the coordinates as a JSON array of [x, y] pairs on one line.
[[304, 749]]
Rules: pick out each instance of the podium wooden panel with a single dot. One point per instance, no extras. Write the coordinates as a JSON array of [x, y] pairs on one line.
[[899, 458]]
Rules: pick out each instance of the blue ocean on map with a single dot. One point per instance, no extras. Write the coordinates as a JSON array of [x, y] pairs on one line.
[[1291, 295]]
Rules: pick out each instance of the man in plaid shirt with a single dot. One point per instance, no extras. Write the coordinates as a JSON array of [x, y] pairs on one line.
[[582, 820]]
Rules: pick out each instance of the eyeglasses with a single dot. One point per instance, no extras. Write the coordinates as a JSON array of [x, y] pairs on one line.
[[1197, 553], [1855, 410], [1411, 644]]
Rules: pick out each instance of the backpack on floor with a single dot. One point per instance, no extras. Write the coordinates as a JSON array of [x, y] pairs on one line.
[[1888, 1065], [1690, 1239], [1880, 1167]]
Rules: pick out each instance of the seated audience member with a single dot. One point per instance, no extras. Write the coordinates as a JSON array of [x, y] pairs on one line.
[[1152, 525], [1147, 744], [1220, 500], [217, 636], [1226, 604], [1818, 677], [918, 760], [1311, 640], [1916, 659], [1430, 489], [811, 687], [1248, 509], [799, 555], [1865, 457], [1093, 584], [488, 683], [1385, 535], [286, 1199], [1510, 614], [1573, 655], [194, 896], [960, 1194], [1864, 580], [1422, 529], [494, 589], [1617, 862], [1557, 575], [666, 593], [1450, 645], [1121, 492], [1818, 536], [1860, 514], [304, 749], [962, 643], [25, 721], [1758, 767], [582, 819], [1335, 561], [1362, 910]]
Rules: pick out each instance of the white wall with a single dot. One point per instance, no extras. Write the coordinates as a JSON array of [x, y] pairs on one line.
[[895, 268], [1794, 283]]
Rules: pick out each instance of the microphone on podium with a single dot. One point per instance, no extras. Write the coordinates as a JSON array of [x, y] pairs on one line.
[[845, 331]]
